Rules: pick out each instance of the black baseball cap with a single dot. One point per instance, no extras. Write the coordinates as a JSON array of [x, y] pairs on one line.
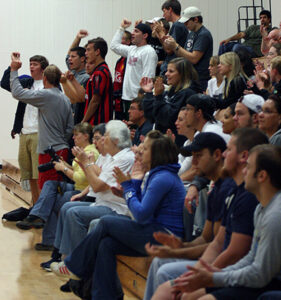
[[144, 29], [203, 102], [202, 140]]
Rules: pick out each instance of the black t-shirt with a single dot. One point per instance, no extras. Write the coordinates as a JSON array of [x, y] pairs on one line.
[[202, 41], [239, 213], [216, 199]]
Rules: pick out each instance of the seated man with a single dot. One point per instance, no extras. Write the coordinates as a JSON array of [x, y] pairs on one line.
[[137, 118], [251, 35], [259, 271], [206, 149], [234, 236]]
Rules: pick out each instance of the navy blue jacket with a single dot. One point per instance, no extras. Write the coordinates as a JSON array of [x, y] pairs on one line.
[[26, 83]]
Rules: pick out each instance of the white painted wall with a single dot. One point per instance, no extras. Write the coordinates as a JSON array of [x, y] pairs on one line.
[[48, 27]]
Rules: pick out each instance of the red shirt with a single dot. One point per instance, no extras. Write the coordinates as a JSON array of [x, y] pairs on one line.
[[100, 83]]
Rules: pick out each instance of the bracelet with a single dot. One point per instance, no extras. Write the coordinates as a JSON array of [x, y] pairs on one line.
[[177, 48], [89, 164], [65, 169]]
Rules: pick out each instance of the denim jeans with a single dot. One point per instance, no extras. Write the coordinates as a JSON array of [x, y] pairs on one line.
[[162, 270], [95, 256], [273, 295], [74, 220], [235, 47], [48, 206]]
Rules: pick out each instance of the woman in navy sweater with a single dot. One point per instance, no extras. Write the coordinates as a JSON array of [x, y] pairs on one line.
[[157, 207]]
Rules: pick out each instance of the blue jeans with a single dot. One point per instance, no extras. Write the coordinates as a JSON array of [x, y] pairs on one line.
[[235, 47], [48, 206], [73, 223], [162, 270], [273, 295], [95, 256]]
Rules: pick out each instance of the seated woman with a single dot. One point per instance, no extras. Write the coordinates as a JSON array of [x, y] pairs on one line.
[[158, 206], [235, 80], [216, 83], [54, 193], [163, 107], [75, 217]]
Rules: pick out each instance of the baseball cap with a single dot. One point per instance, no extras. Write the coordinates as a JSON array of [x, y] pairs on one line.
[[253, 102], [203, 102], [144, 29], [156, 19], [202, 140], [188, 13]]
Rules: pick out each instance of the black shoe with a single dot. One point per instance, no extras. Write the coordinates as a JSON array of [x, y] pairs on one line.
[[46, 265], [81, 288], [66, 287], [42, 247], [30, 222]]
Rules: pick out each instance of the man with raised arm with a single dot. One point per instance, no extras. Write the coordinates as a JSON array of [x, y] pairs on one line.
[[141, 58], [55, 120]]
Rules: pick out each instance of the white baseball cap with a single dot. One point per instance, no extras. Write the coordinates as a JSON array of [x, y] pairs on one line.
[[156, 19], [253, 102], [190, 12]]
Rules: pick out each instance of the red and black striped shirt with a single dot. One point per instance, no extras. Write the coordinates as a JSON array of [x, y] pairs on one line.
[[100, 83]]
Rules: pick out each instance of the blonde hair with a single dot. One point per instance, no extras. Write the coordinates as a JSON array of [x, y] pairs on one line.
[[232, 59], [276, 64]]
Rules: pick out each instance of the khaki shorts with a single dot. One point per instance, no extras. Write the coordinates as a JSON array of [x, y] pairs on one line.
[[28, 156]]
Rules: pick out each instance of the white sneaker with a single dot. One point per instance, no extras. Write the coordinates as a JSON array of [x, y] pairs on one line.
[[60, 269]]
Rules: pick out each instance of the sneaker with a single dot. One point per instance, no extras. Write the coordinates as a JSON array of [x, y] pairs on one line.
[[60, 269], [46, 265], [66, 287], [43, 247], [30, 222]]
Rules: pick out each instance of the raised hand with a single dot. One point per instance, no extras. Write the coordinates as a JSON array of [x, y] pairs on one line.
[[82, 33], [146, 84], [125, 23], [15, 61], [159, 86], [120, 176], [80, 154], [170, 43]]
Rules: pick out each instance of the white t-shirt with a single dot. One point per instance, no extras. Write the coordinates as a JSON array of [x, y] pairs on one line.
[[141, 62], [215, 128], [30, 119], [185, 162], [101, 160], [124, 160], [213, 88]]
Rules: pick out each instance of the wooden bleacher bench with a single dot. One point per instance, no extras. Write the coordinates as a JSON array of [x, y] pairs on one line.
[[10, 178], [132, 270]]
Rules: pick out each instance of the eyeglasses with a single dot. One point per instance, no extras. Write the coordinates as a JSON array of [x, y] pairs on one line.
[[96, 138]]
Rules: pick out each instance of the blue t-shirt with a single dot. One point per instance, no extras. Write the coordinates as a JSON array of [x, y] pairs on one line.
[[239, 213], [216, 199], [202, 41]]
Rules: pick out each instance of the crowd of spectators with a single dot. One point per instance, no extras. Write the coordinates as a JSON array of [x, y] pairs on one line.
[[177, 156]]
